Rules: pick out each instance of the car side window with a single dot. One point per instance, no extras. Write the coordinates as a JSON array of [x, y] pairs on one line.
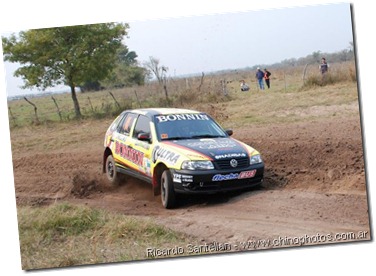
[[142, 126], [115, 124], [126, 123]]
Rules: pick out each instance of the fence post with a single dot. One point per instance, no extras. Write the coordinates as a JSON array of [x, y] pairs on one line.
[[138, 101], [35, 109], [12, 116], [201, 82], [224, 87], [58, 109], [112, 95], [304, 73], [91, 105]]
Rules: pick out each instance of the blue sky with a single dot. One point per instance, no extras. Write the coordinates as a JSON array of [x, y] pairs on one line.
[[205, 43]]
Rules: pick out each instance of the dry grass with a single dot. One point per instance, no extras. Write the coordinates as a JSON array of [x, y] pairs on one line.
[[63, 235], [181, 92], [272, 106]]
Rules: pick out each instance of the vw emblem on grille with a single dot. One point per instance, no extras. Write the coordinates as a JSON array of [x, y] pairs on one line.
[[233, 163]]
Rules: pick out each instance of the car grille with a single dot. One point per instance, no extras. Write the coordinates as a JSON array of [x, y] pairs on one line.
[[226, 185], [225, 164]]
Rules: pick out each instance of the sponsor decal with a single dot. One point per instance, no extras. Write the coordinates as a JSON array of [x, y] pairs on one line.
[[232, 176], [143, 145], [176, 178], [179, 178], [163, 154], [213, 144], [147, 166], [187, 178], [182, 117], [247, 174], [129, 153], [230, 155], [119, 136]]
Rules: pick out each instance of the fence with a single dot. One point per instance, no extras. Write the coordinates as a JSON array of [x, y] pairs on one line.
[[193, 92]]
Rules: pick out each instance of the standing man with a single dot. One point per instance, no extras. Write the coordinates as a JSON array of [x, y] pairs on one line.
[[323, 66], [267, 77], [260, 78]]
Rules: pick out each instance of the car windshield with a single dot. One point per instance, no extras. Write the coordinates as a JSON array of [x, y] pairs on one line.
[[187, 126]]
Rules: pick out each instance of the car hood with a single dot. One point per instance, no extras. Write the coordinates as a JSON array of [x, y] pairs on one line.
[[212, 148]]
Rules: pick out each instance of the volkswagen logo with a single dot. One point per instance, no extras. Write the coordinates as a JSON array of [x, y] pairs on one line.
[[233, 163]]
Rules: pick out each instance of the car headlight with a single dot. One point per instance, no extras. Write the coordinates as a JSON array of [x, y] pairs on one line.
[[255, 159], [197, 165]]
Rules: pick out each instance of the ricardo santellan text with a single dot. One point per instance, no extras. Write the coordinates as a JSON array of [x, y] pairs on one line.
[[153, 252]]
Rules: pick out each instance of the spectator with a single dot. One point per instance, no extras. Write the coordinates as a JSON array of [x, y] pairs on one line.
[[260, 78], [243, 86], [324, 66], [267, 75]]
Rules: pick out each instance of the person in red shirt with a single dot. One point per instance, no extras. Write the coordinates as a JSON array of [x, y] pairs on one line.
[[267, 77]]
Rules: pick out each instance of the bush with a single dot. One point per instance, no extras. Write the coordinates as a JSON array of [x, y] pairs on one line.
[[337, 74]]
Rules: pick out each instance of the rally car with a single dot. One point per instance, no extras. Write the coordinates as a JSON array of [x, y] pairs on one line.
[[178, 151]]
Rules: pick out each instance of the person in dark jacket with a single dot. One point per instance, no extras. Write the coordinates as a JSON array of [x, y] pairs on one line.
[[260, 78], [324, 66], [267, 77]]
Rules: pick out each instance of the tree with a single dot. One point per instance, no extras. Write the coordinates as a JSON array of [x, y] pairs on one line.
[[154, 68], [159, 72], [71, 55], [316, 56], [127, 72]]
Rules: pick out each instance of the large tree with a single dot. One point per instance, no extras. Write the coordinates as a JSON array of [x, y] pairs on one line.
[[127, 71], [69, 55]]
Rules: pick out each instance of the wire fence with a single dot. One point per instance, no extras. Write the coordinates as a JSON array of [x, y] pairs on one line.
[[180, 92]]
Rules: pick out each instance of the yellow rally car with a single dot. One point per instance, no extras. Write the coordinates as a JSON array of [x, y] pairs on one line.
[[178, 151]]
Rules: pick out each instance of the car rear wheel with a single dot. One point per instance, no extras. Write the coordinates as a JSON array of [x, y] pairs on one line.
[[167, 190], [112, 175]]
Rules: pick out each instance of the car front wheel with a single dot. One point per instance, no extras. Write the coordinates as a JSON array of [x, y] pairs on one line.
[[167, 190]]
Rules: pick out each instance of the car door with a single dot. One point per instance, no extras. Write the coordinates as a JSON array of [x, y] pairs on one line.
[[122, 150], [141, 145]]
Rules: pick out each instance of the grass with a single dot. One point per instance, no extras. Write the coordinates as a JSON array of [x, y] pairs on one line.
[[272, 106], [63, 235]]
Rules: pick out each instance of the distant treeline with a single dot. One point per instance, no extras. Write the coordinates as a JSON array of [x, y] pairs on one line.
[[314, 58]]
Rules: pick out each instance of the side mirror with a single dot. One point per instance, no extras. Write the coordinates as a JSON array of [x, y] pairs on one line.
[[144, 137], [229, 132]]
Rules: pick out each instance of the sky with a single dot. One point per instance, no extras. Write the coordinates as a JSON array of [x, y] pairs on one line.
[[346, 259], [196, 44], [232, 40]]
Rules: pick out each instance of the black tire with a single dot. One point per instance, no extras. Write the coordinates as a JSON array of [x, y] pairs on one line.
[[112, 175], [167, 190]]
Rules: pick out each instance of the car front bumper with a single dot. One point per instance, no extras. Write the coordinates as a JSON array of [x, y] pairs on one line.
[[186, 181]]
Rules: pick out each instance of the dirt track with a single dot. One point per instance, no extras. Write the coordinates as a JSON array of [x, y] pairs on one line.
[[314, 184]]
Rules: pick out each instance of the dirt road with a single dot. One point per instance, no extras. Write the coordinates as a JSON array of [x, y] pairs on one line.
[[314, 184]]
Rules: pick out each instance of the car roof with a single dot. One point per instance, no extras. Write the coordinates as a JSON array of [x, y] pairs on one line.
[[150, 112]]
